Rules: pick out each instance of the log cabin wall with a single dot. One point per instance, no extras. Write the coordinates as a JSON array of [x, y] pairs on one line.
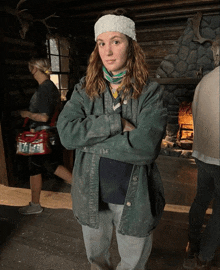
[[17, 86], [191, 58], [159, 25]]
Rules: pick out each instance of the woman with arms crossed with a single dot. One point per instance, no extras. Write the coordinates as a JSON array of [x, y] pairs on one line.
[[115, 120]]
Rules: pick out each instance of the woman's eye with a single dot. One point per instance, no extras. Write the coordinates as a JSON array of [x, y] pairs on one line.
[[101, 44], [116, 42]]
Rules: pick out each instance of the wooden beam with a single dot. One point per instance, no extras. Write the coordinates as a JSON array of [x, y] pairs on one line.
[[137, 5], [20, 77], [177, 17], [159, 36], [161, 29], [157, 42], [100, 5], [3, 169], [16, 62], [26, 91], [182, 81], [165, 5], [18, 41], [20, 50], [187, 10], [156, 13]]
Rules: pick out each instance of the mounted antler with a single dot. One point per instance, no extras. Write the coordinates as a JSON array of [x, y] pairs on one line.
[[45, 23], [196, 20], [19, 3], [26, 19], [22, 17]]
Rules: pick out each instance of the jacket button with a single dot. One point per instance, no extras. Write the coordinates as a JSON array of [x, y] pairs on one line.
[[128, 204], [135, 178]]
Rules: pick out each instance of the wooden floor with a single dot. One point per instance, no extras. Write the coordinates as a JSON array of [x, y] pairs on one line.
[[52, 240]]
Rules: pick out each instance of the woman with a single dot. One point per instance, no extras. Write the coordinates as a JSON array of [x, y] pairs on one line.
[[42, 107], [115, 120]]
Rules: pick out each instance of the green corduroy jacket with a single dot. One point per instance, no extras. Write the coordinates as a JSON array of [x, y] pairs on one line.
[[95, 130]]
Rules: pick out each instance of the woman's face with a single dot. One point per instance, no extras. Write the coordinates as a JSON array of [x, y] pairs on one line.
[[32, 69], [113, 50]]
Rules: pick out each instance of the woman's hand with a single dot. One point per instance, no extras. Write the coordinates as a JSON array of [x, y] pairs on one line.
[[127, 126]]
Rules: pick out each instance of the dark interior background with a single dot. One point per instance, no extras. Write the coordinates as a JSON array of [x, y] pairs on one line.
[[159, 25]]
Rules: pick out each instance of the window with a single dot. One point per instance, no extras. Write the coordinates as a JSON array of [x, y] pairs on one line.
[[58, 53]]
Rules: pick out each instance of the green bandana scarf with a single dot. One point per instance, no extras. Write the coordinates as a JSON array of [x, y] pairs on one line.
[[114, 79]]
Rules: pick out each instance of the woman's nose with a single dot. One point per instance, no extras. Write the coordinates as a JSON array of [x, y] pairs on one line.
[[109, 50]]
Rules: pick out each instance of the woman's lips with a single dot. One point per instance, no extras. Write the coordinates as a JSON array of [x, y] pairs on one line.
[[110, 61]]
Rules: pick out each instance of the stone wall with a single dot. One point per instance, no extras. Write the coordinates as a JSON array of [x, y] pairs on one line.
[[188, 59]]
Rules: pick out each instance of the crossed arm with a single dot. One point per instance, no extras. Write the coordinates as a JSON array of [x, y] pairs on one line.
[[106, 134]]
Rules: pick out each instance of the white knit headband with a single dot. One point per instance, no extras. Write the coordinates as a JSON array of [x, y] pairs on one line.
[[115, 23]]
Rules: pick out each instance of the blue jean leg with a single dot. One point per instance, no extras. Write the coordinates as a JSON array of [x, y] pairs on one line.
[[98, 241], [134, 251], [208, 188]]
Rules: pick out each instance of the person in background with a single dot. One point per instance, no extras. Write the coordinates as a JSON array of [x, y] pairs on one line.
[[115, 119], [42, 107], [201, 247]]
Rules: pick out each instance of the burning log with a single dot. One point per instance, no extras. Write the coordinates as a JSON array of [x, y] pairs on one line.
[[185, 133]]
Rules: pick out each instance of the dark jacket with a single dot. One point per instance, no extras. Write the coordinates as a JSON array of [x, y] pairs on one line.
[[94, 130]]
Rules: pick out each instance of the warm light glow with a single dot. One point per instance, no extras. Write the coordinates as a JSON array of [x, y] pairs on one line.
[[55, 79], [185, 113], [185, 121], [12, 196], [181, 209]]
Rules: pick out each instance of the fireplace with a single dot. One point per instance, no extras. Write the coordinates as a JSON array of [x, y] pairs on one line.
[[189, 59], [179, 130], [179, 139], [185, 120]]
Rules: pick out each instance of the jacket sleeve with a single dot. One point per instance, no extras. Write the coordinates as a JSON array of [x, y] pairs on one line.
[[76, 129], [142, 145]]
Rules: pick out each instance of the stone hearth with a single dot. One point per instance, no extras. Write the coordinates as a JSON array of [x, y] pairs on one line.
[[187, 59], [172, 149]]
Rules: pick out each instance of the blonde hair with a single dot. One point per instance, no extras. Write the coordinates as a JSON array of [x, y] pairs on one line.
[[42, 64], [136, 75]]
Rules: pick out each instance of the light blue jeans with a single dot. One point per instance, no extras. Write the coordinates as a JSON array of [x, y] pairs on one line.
[[134, 251]]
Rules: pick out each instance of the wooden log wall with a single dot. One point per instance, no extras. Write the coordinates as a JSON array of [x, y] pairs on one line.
[[3, 168], [159, 25], [16, 91], [157, 42]]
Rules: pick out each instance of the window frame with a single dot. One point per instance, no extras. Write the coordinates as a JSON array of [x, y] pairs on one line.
[[60, 56]]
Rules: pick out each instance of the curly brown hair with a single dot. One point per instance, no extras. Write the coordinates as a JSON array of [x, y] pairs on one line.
[[136, 75]]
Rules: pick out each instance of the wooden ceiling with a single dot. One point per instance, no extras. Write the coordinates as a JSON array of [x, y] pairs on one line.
[[77, 14], [159, 23], [144, 11]]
